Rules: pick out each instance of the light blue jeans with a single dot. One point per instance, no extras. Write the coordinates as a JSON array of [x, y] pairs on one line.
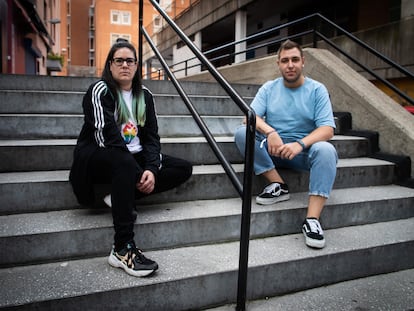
[[319, 160]]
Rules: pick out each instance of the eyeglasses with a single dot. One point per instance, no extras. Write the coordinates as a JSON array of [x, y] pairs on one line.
[[120, 61]]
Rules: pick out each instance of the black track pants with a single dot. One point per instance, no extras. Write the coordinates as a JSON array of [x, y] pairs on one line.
[[123, 170]]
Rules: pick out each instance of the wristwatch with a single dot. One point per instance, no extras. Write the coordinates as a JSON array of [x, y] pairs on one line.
[[300, 142]]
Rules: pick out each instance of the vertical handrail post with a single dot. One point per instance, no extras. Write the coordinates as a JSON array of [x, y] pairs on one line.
[[246, 211], [140, 24], [244, 190], [315, 29]]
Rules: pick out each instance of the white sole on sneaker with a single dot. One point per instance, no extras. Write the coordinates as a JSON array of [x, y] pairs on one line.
[[313, 242], [107, 200], [269, 201], [114, 262]]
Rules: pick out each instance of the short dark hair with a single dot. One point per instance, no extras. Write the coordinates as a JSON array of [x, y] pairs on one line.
[[287, 45]]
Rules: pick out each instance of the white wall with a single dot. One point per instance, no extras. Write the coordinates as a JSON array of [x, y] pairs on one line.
[[184, 53]]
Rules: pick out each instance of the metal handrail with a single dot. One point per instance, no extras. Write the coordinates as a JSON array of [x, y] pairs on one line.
[[245, 190], [315, 18], [371, 72], [366, 46], [369, 49], [252, 48]]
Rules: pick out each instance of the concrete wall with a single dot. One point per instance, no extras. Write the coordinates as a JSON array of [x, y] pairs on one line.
[[407, 8], [255, 71], [184, 53], [371, 109]]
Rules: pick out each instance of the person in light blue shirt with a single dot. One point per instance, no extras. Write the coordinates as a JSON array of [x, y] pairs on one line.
[[294, 122]]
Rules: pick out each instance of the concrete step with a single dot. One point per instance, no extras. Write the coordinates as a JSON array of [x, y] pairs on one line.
[[70, 102], [35, 101], [24, 192], [57, 154], [390, 291], [28, 82], [64, 126], [81, 84], [55, 251], [51, 126], [171, 225], [197, 277]]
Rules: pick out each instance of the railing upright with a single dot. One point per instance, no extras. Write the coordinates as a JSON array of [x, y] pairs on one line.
[[245, 190], [140, 24]]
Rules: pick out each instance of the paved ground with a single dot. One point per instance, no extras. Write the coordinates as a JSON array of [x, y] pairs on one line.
[[387, 292]]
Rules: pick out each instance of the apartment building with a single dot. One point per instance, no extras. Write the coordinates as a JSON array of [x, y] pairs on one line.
[[71, 37], [30, 36], [93, 26], [221, 22], [385, 25]]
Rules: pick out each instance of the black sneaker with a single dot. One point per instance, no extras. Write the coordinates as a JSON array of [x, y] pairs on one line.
[[273, 193], [132, 260], [313, 233]]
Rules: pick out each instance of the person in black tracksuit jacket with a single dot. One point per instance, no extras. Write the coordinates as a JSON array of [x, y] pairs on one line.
[[119, 145]]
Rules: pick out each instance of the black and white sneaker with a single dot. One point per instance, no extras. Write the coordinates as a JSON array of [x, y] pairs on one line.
[[313, 233], [273, 193], [133, 261]]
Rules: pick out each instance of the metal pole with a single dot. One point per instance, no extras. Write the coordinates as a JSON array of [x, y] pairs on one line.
[[246, 212], [314, 35], [245, 190], [140, 23]]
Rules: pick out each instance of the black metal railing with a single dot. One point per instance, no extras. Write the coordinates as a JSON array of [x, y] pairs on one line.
[[366, 47], [245, 189], [315, 23]]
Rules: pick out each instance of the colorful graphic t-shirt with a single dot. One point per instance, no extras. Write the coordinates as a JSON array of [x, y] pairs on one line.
[[129, 130]]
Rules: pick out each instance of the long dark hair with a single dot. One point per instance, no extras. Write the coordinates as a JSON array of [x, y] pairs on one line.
[[138, 103], [107, 75]]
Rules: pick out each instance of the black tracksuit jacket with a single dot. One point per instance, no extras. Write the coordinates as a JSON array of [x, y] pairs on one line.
[[100, 130]]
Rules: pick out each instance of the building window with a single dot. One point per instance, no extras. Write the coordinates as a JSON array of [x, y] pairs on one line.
[[115, 36], [120, 17], [156, 22]]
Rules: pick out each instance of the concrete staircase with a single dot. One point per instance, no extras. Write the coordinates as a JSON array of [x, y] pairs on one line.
[[53, 252]]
